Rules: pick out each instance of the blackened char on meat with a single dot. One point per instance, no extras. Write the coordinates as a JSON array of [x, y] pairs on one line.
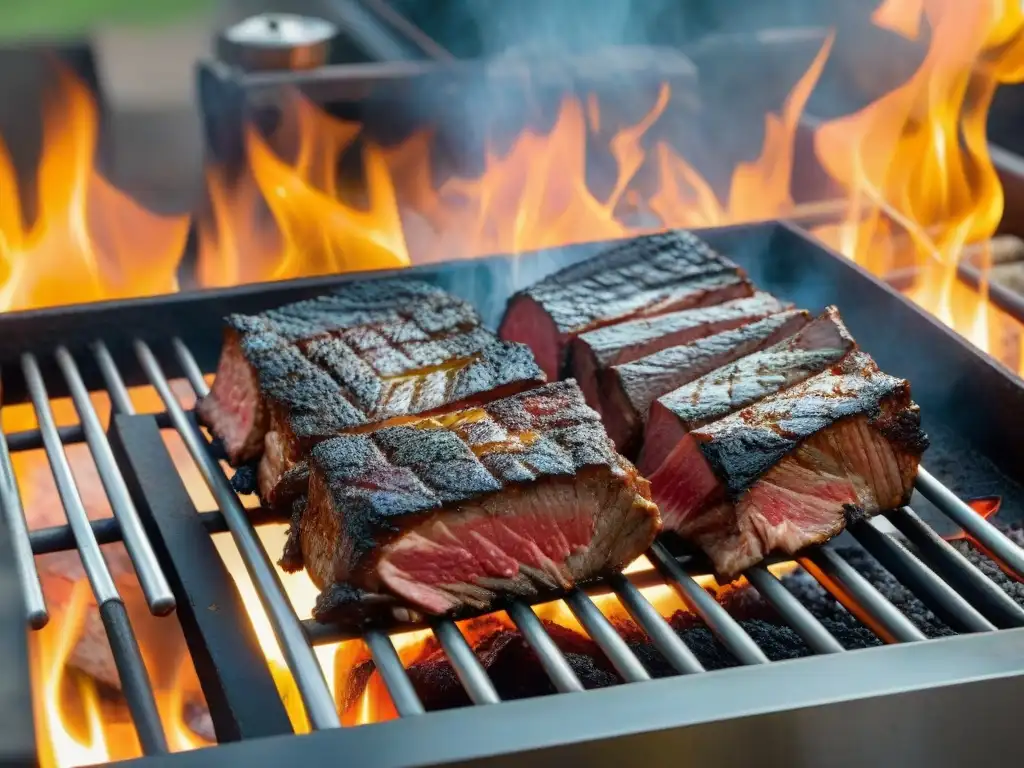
[[628, 390], [787, 472], [523, 496], [640, 277], [593, 352], [353, 361], [235, 410], [818, 345], [389, 384]]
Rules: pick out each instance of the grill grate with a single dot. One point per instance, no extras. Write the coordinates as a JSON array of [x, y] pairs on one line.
[[949, 599], [175, 565]]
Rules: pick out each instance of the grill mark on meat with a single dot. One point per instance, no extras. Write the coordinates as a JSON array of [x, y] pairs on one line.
[[787, 471], [593, 352], [395, 311], [743, 446], [641, 277], [818, 345], [519, 496], [631, 388], [494, 370]]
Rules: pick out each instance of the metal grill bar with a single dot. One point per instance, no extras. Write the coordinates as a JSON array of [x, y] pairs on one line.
[[608, 640], [941, 598], [849, 587], [120, 400], [60, 537], [793, 611], [32, 439], [662, 636], [299, 655], [956, 569], [467, 666], [190, 367], [154, 584], [987, 535], [724, 626], [127, 657], [399, 686], [551, 658], [14, 516]]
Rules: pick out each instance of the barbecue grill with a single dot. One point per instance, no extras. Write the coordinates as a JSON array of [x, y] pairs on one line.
[[913, 701]]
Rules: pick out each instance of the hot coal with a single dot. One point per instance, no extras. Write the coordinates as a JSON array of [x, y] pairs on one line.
[[517, 673], [1013, 587]]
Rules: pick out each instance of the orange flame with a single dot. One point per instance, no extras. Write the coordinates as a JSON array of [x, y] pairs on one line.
[[915, 164], [71, 728], [533, 195], [89, 241]]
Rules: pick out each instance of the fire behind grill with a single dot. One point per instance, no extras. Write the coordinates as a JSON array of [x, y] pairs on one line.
[[965, 399]]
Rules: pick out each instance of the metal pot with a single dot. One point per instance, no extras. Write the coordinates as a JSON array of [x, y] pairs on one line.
[[277, 41]]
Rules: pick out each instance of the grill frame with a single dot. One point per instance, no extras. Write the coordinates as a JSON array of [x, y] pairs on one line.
[[239, 712]]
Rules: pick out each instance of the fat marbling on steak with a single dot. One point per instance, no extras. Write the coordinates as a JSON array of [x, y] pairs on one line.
[[629, 389], [592, 353], [791, 469], [818, 345], [523, 496], [641, 277]]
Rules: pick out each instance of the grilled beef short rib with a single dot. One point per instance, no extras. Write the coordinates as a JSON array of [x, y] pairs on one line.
[[371, 354], [788, 471], [523, 496], [641, 277], [628, 390], [818, 345], [592, 353], [235, 410]]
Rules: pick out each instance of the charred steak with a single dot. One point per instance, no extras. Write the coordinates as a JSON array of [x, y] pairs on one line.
[[352, 361], [235, 410], [523, 496], [818, 345], [628, 390], [788, 471], [593, 352], [641, 277]]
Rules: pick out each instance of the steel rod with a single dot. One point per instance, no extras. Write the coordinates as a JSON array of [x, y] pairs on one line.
[[32, 439], [287, 628], [944, 601], [724, 626], [796, 615], [551, 657], [608, 640], [14, 517], [987, 535], [856, 593], [957, 570], [131, 671], [154, 584], [59, 538], [662, 636], [120, 400], [467, 666], [92, 558], [396, 679], [125, 649], [190, 367]]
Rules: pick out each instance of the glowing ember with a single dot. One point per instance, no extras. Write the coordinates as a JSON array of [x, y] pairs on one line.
[[87, 237]]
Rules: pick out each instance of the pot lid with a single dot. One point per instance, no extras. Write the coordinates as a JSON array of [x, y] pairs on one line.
[[279, 31]]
